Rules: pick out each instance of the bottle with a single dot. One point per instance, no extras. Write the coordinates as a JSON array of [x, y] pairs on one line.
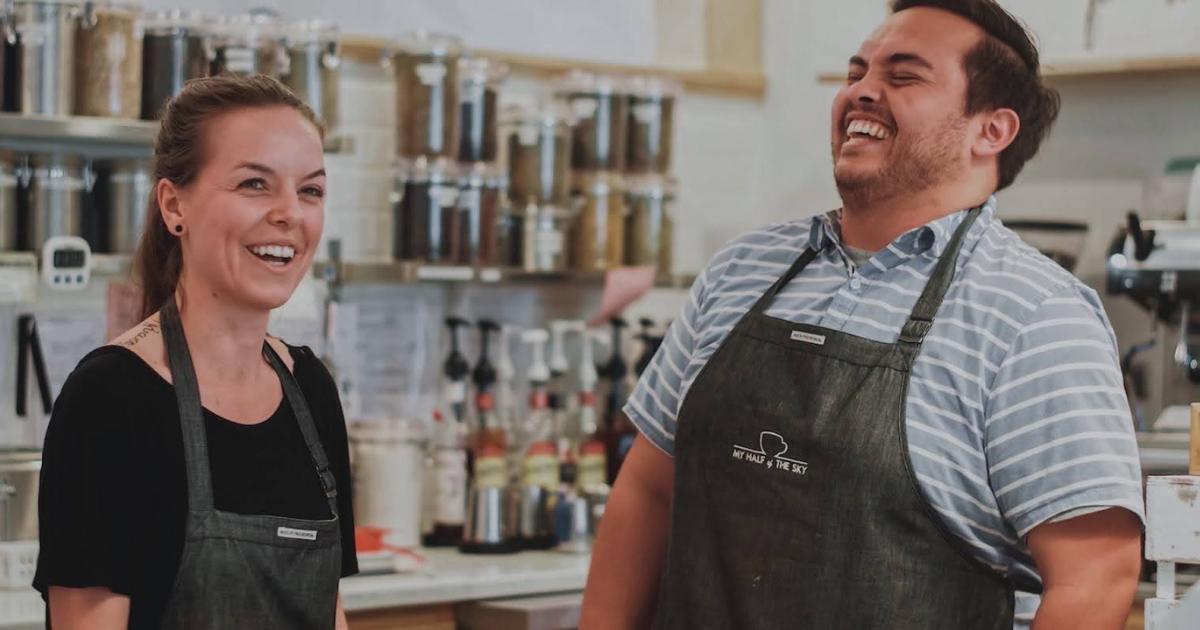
[[563, 409], [540, 478], [592, 466], [613, 423], [450, 447], [484, 377]]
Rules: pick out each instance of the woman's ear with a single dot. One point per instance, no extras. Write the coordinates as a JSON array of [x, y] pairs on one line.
[[170, 205]]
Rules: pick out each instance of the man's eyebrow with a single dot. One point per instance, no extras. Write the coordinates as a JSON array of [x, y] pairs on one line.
[[912, 58]]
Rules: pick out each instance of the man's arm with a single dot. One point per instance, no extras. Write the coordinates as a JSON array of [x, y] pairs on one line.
[[622, 586], [1089, 566]]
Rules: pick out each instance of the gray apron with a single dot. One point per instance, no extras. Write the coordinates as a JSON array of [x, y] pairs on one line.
[[795, 502], [243, 571]]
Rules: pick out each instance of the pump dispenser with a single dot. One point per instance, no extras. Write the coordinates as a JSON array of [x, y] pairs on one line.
[[539, 467], [614, 424], [450, 441]]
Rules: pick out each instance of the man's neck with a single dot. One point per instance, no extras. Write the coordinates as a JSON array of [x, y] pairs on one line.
[[872, 224], [225, 342]]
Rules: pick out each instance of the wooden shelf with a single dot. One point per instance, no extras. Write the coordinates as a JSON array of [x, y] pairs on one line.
[[742, 84], [1088, 69]]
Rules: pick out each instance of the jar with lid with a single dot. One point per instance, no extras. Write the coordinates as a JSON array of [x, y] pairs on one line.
[[312, 64], [42, 62], [539, 155], [8, 207], [600, 108], [482, 204], [176, 48], [426, 68], [56, 186], [650, 225], [598, 228], [245, 45], [127, 195], [651, 124], [389, 465], [425, 222], [540, 243], [108, 60], [478, 96]]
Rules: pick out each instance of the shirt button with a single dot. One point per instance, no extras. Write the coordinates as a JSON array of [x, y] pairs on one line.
[[855, 283]]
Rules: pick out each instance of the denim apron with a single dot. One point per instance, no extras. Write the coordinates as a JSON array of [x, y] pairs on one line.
[[795, 502], [247, 571]]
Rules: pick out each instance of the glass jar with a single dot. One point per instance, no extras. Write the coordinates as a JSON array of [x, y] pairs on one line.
[[245, 45], [176, 48], [598, 227], [426, 69], [482, 205], [8, 208], [650, 225], [42, 61], [478, 97], [539, 156], [312, 64], [651, 124], [600, 109], [108, 61], [425, 221]]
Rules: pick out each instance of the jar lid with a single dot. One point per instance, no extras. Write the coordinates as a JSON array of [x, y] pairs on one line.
[[546, 114], [311, 32], [159, 21], [425, 42], [388, 430], [583, 81], [481, 70], [649, 86], [657, 186], [423, 169]]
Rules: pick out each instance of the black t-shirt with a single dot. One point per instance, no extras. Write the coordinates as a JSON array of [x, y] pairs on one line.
[[113, 497]]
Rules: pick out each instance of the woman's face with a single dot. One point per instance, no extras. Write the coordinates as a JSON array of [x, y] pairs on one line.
[[254, 214]]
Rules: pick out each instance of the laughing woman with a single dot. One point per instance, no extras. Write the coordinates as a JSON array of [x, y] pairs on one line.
[[196, 471]]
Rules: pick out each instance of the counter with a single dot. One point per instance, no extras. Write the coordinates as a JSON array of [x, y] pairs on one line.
[[449, 577]]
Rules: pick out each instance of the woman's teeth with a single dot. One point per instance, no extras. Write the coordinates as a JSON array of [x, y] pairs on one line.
[[273, 254], [874, 130]]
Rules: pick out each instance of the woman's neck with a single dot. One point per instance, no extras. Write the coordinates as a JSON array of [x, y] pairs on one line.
[[225, 341]]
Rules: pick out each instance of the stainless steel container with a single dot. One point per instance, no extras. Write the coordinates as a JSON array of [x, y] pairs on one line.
[[535, 520], [46, 55], [19, 474], [57, 186], [129, 186], [311, 66], [488, 527], [8, 208]]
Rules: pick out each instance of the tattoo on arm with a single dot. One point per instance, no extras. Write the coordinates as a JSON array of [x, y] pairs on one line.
[[150, 328]]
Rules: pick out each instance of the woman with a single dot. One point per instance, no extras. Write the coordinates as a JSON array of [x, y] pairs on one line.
[[196, 472]]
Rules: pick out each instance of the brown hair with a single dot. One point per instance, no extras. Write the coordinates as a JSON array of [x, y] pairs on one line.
[[178, 158], [1003, 72]]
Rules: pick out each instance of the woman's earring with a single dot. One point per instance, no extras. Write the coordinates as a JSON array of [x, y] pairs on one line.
[[179, 229]]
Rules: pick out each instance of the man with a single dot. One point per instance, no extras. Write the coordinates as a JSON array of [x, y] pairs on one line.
[[896, 415]]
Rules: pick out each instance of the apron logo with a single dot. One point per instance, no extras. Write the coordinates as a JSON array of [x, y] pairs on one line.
[[296, 534], [808, 338], [771, 447]]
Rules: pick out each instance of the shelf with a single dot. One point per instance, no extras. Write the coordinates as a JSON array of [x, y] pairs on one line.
[[411, 272], [98, 137], [1088, 68], [742, 84]]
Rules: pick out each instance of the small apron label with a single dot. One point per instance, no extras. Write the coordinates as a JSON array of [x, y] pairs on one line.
[[296, 534], [818, 340]]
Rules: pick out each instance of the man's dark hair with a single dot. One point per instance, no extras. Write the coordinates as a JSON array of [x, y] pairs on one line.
[[1003, 72]]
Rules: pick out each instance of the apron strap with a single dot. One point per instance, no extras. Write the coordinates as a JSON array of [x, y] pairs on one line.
[[308, 428], [765, 300], [921, 319], [187, 394]]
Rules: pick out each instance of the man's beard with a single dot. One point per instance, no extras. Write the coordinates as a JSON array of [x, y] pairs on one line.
[[913, 166]]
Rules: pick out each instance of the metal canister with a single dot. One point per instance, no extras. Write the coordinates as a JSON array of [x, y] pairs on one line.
[[425, 222], [598, 227], [57, 185], [650, 225], [45, 50], [312, 64], [19, 475], [8, 208], [129, 186]]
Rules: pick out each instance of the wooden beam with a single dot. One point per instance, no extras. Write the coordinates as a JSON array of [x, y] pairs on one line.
[[733, 35]]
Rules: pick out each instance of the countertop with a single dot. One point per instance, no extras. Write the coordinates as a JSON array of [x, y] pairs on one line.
[[449, 577]]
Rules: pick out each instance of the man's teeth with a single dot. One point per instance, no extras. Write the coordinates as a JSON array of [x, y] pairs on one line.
[[278, 251], [864, 127]]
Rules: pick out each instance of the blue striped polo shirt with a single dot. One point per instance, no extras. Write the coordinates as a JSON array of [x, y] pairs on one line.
[[1016, 412]]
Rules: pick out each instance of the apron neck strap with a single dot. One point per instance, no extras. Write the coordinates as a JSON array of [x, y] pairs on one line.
[[195, 439], [763, 302], [921, 319]]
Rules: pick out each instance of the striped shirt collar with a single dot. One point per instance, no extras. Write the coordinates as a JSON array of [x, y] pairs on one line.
[[932, 237]]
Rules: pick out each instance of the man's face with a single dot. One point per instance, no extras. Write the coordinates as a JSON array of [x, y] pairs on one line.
[[899, 124]]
